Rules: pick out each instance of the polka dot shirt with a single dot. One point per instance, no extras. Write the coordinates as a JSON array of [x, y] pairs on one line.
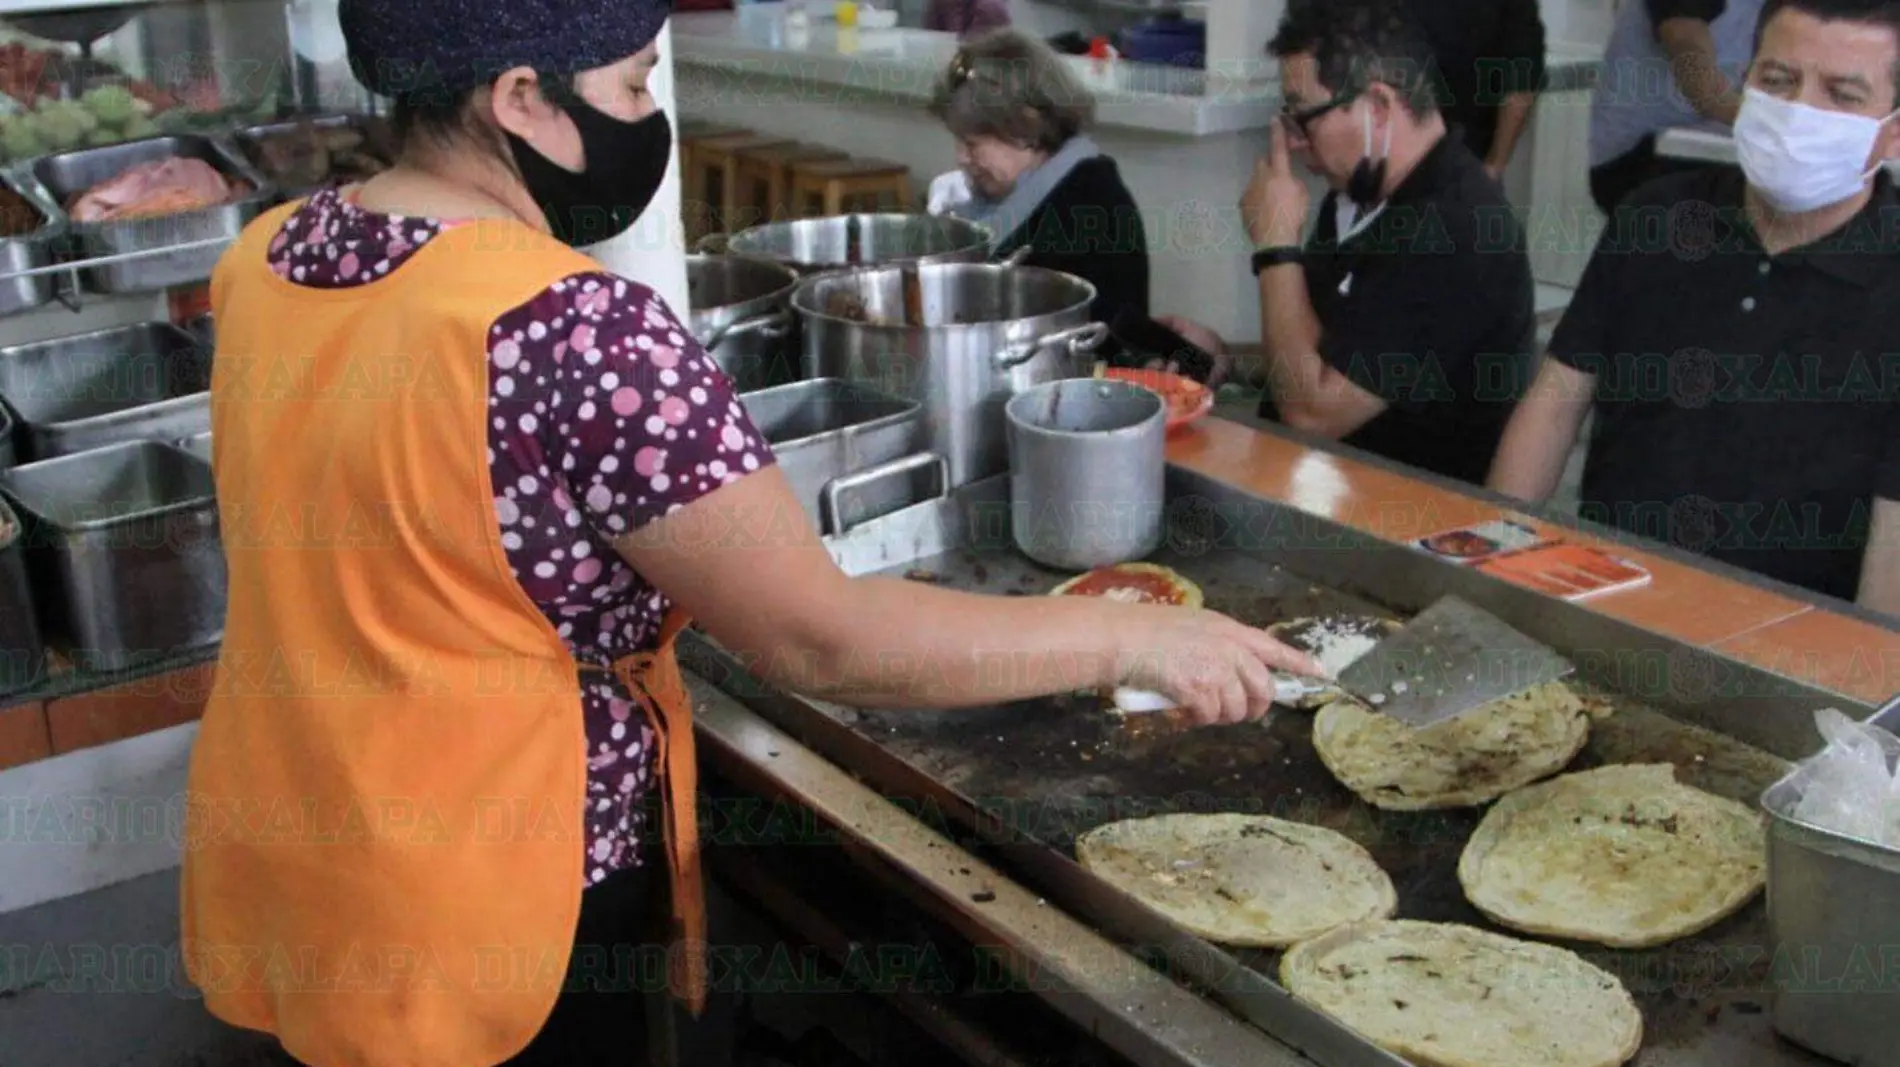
[[604, 414]]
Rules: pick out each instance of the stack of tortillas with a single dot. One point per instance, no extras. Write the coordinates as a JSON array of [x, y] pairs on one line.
[[1248, 880], [1454, 996], [1623, 856], [1336, 641], [1470, 760]]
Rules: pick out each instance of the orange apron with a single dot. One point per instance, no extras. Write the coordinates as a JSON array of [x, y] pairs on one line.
[[385, 811]]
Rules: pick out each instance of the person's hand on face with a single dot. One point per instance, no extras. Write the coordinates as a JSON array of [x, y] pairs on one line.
[[1276, 201]]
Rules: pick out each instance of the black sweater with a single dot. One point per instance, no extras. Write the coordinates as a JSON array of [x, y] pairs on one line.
[[1089, 226]]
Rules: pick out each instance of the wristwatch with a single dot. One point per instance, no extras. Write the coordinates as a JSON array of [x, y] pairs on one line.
[[1273, 256]]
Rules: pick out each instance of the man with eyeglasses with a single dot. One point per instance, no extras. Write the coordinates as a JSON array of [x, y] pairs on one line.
[[1405, 325]]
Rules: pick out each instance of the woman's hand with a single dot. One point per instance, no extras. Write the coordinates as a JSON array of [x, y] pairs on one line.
[[1217, 670], [1203, 338]]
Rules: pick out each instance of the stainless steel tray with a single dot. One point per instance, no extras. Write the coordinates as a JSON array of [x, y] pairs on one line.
[[250, 139], [1025, 780], [22, 653], [69, 394], [1833, 913], [63, 177], [27, 252], [126, 559], [825, 429]]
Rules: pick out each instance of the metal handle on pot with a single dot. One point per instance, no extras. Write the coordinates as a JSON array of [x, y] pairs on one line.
[[830, 502], [1084, 338], [773, 324]]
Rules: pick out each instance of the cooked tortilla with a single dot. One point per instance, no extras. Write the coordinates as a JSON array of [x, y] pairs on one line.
[[1462, 762], [1249, 880], [1336, 641], [1138, 574], [1441, 995], [1623, 856]]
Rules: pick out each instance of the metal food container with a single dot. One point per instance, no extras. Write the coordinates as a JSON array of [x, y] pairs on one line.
[[826, 429], [739, 316], [149, 381], [9, 452], [961, 339], [64, 177], [124, 551], [1088, 472], [842, 241], [250, 140], [30, 251], [22, 653], [1834, 922]]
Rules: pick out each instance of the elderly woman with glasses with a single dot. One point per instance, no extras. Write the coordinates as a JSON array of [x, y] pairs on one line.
[[1028, 171]]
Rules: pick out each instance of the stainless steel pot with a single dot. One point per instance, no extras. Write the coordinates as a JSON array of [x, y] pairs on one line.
[[844, 241], [739, 317], [987, 333], [1087, 466]]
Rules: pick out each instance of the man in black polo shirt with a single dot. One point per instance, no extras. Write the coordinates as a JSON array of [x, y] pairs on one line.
[[1405, 325], [1738, 331]]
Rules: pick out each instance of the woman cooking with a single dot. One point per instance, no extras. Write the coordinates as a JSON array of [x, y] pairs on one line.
[[1028, 171], [468, 501]]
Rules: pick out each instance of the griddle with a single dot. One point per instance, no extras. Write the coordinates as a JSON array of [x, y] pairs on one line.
[[1024, 781]]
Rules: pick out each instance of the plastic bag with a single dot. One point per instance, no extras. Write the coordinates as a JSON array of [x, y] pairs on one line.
[[947, 191], [1850, 786]]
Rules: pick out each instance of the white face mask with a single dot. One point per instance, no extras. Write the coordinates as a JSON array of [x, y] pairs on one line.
[[1801, 158]]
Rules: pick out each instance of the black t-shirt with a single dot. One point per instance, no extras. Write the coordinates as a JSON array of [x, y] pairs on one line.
[[1486, 50], [1746, 405], [1430, 308], [1089, 226]]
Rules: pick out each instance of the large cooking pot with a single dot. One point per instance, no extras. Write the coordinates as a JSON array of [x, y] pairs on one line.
[[843, 241], [959, 338], [739, 317]]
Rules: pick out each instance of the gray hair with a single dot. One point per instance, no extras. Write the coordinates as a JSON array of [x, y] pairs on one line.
[[1010, 86]]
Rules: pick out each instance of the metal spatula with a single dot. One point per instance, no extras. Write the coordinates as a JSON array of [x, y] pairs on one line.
[[1451, 659]]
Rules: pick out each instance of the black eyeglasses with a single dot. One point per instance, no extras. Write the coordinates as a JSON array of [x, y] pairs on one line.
[[1299, 120], [962, 69]]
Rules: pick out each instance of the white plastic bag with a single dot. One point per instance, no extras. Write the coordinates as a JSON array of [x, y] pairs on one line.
[[1851, 787], [948, 190]]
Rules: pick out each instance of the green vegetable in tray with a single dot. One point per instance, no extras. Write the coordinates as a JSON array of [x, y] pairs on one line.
[[112, 105], [140, 126], [20, 139]]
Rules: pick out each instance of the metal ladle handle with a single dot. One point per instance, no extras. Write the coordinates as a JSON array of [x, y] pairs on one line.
[[773, 324]]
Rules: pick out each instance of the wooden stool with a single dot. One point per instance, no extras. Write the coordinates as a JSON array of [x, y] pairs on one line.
[[718, 176], [832, 186], [765, 179], [697, 209]]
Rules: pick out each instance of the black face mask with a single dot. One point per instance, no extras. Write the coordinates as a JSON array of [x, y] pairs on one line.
[[1366, 185], [625, 164]]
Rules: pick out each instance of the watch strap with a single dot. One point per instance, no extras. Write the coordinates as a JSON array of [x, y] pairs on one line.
[[1275, 255]]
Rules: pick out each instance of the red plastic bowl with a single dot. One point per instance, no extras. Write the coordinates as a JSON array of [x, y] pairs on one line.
[[1186, 398]]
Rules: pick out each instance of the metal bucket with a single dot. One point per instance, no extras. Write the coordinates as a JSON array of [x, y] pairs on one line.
[[825, 429], [987, 333], [1088, 467], [127, 558], [739, 316], [1833, 919], [844, 241]]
